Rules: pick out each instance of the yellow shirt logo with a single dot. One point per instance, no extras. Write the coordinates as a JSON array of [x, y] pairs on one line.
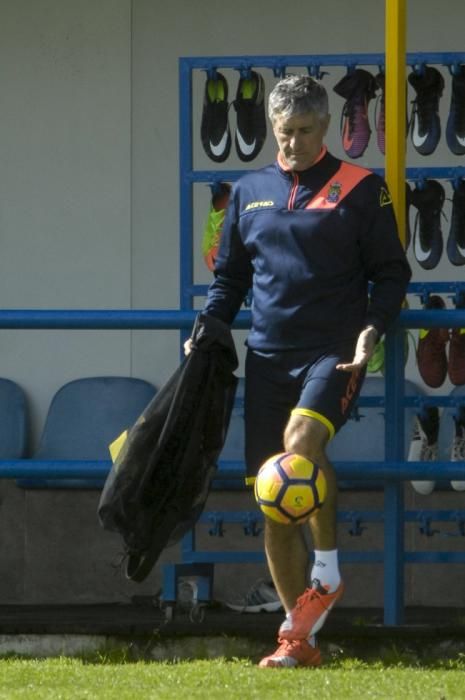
[[384, 197], [259, 205]]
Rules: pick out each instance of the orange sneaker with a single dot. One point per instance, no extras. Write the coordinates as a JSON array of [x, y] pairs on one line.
[[298, 652], [310, 612]]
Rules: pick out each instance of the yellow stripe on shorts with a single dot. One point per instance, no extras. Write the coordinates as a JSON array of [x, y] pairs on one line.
[[318, 416]]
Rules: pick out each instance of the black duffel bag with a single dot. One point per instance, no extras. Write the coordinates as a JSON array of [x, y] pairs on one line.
[[160, 479]]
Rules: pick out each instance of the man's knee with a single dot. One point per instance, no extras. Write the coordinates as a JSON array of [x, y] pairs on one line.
[[306, 436], [273, 527]]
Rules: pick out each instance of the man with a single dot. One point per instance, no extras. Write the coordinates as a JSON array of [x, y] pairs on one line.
[[306, 234]]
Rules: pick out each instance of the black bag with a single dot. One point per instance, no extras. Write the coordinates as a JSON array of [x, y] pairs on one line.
[[159, 482]]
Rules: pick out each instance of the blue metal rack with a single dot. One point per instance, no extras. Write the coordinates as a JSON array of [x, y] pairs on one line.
[[394, 470], [391, 472], [278, 64]]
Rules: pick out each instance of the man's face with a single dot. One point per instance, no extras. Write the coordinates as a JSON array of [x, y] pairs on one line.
[[300, 138]]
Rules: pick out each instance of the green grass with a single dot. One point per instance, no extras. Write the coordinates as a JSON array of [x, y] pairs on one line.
[[68, 678]]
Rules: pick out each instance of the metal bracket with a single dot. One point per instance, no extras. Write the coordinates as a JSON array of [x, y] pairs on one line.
[[461, 526], [356, 529], [314, 70], [454, 67], [279, 70], [355, 414], [460, 522], [425, 527], [251, 528], [245, 71], [217, 529]]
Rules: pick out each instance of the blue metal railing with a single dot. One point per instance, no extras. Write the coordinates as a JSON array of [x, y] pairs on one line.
[[392, 472], [279, 63], [167, 319]]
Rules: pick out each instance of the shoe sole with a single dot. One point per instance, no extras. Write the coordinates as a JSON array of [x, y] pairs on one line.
[[262, 607], [274, 664]]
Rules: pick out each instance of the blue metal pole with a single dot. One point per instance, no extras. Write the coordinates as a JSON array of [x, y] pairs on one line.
[[97, 469], [112, 319], [439, 173], [106, 319], [393, 491], [54, 469]]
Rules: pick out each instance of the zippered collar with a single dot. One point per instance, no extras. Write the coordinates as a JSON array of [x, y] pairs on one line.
[[296, 175], [283, 166]]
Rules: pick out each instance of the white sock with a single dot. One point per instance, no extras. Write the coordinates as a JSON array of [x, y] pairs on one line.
[[326, 569]]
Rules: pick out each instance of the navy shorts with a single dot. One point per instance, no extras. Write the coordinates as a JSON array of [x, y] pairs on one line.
[[304, 382]]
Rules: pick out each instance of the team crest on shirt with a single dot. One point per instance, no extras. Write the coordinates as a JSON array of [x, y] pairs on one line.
[[334, 192]]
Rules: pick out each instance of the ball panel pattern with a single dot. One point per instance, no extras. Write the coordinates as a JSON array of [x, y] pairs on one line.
[[289, 488]]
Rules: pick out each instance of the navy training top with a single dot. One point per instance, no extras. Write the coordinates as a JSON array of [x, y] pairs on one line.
[[308, 243]]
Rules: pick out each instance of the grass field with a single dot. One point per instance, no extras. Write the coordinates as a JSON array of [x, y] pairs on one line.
[[66, 679]]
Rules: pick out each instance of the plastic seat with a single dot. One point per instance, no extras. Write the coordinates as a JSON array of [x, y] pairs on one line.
[[84, 417], [13, 420]]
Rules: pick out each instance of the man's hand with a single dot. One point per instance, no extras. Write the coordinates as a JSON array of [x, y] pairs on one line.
[[188, 346], [363, 350]]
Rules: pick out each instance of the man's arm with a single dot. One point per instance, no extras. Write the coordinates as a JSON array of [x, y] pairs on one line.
[[386, 267], [383, 258]]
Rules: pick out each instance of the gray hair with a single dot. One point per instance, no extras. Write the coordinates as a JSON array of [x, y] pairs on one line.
[[298, 94]]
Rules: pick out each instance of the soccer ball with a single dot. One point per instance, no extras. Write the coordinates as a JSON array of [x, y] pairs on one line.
[[289, 488]]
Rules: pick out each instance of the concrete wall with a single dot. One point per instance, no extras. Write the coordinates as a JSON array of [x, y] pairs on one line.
[[89, 215]]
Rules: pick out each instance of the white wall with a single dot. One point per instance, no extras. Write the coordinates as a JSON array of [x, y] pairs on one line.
[[89, 152], [65, 203]]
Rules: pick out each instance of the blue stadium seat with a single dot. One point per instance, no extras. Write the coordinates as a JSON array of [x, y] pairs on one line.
[[14, 420], [84, 417]]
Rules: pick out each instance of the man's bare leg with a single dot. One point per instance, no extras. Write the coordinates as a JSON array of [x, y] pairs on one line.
[[308, 437], [285, 546], [287, 557]]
